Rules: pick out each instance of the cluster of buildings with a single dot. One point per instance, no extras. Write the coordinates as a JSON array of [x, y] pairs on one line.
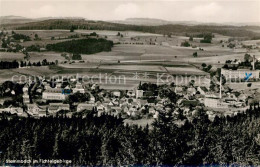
[[48, 99], [239, 73]]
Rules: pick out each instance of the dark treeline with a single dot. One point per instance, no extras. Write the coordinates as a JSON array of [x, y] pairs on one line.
[[15, 64], [85, 46], [163, 29], [105, 140], [9, 65], [21, 36]]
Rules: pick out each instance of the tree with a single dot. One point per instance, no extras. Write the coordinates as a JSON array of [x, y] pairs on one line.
[[191, 38], [72, 28], [76, 57], [204, 65], [247, 57], [195, 54], [4, 44], [185, 44], [36, 36]]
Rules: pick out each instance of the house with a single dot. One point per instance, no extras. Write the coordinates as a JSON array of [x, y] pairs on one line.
[[34, 109], [42, 114], [100, 107], [26, 98], [139, 93], [125, 109], [94, 86], [152, 110], [141, 102], [178, 90], [116, 93], [13, 110], [156, 115], [242, 98], [56, 107], [92, 98], [78, 88], [130, 93], [116, 110], [26, 88], [85, 106], [191, 91]]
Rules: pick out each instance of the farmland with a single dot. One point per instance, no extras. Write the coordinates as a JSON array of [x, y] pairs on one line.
[[134, 52]]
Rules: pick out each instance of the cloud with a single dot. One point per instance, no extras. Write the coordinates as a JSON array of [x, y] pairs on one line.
[[127, 10]]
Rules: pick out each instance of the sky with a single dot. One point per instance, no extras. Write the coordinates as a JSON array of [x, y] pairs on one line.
[[218, 11]]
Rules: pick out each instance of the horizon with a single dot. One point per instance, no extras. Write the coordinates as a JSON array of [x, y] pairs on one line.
[[80, 17], [180, 11]]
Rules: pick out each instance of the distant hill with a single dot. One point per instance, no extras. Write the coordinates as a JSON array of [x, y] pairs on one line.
[[21, 20], [14, 20], [143, 21], [250, 32], [153, 22], [158, 22]]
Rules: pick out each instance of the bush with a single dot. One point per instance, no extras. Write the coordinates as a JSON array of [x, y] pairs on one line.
[[185, 44]]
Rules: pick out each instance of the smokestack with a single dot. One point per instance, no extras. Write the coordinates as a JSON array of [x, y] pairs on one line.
[[220, 86], [253, 62]]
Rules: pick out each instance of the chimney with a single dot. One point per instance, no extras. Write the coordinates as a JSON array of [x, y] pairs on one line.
[[253, 62], [220, 87]]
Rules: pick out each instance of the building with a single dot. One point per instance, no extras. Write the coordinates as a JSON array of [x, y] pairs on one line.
[[78, 88], [239, 74], [139, 93], [54, 94], [13, 110], [211, 102], [117, 93], [56, 107], [34, 109], [91, 98], [215, 103], [85, 106]]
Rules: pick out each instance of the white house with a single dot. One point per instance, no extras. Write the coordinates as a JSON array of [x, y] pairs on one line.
[[79, 88]]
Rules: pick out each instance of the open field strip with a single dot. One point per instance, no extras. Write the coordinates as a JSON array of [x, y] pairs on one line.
[[134, 68]]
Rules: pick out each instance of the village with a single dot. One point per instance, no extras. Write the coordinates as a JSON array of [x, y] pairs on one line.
[[66, 97]]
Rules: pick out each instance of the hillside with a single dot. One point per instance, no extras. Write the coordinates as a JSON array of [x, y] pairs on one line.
[[174, 29], [14, 19]]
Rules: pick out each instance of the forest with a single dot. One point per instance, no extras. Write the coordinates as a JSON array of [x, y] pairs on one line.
[[86, 139], [84, 46]]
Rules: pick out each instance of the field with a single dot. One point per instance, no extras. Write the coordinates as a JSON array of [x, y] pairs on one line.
[[164, 56]]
